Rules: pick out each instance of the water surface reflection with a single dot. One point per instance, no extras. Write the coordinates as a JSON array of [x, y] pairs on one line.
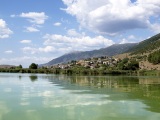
[[40, 97], [144, 89]]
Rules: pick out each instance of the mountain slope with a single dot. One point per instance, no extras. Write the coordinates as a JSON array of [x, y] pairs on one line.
[[146, 46], [146, 52], [109, 51]]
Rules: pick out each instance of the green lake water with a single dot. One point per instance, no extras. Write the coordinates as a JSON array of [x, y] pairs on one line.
[[58, 97]]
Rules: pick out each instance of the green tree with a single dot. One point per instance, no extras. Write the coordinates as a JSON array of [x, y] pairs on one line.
[[133, 65], [154, 57], [125, 60], [121, 66], [128, 64], [33, 66], [20, 67]]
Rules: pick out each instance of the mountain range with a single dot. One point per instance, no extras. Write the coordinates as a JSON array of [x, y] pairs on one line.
[[7, 66], [108, 51], [148, 45]]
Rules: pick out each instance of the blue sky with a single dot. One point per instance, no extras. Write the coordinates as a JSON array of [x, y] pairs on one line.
[[39, 31]]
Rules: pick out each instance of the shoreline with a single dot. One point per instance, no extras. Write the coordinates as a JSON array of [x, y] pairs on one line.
[[84, 72]]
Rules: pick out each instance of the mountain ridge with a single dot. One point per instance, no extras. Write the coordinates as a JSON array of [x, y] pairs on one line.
[[108, 51], [146, 46]]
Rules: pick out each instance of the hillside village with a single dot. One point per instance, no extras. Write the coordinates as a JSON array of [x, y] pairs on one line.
[[113, 63], [90, 63]]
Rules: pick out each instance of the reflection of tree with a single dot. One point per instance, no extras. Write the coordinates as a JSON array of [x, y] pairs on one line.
[[149, 92], [143, 89], [20, 77], [33, 78]]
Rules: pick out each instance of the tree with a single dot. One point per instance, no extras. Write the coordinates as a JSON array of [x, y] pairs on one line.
[[133, 65], [154, 57], [128, 64], [125, 60], [19, 67], [33, 66], [121, 66]]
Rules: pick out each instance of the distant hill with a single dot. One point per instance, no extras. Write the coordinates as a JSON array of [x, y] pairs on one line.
[[109, 51], [7, 66]]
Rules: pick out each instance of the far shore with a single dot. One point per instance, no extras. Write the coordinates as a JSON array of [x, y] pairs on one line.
[[83, 72]]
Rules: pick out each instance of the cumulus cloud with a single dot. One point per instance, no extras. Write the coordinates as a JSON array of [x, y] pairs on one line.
[[29, 50], [78, 43], [74, 33], [60, 44], [35, 17], [4, 30], [113, 16], [25, 41], [57, 24], [32, 50]]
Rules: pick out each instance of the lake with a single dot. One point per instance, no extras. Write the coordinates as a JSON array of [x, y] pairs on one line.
[[60, 97]]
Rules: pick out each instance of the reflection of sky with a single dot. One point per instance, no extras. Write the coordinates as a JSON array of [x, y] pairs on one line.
[[41, 99], [3, 110], [64, 98]]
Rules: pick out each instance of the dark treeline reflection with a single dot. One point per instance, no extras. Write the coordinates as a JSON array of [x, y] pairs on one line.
[[145, 89], [33, 78]]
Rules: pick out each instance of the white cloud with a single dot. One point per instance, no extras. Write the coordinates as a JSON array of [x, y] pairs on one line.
[[4, 30], [25, 41], [155, 28], [76, 43], [31, 29], [74, 33], [59, 44], [113, 16], [47, 49], [130, 39], [32, 50], [65, 21], [57, 24], [35, 17], [9, 52], [29, 50], [124, 40]]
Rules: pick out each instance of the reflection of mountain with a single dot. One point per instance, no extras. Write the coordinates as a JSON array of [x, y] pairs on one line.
[[144, 89]]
